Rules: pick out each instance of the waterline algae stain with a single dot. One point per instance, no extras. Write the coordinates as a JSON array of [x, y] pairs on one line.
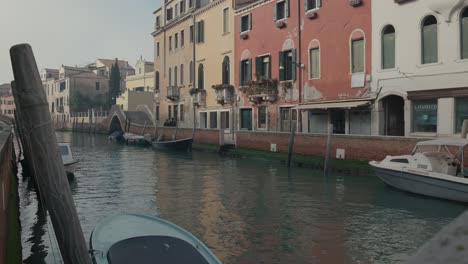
[[244, 210]]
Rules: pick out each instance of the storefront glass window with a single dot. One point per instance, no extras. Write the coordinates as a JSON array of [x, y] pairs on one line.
[[461, 112], [425, 116]]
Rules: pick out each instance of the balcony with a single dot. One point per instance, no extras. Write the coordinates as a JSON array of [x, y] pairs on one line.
[[262, 90], [198, 96], [224, 93], [173, 93]]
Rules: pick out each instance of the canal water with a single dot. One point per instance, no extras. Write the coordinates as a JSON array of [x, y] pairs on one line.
[[246, 210]]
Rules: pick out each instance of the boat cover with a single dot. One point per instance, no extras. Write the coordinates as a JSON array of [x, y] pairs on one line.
[[154, 249]]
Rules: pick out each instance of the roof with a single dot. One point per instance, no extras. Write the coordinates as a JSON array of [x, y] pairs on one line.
[[328, 105], [122, 64], [457, 142], [51, 70]]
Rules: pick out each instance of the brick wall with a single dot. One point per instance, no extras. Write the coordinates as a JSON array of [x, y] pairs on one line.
[[203, 136]]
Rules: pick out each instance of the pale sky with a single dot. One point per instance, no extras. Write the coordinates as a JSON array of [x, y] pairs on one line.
[[76, 32]]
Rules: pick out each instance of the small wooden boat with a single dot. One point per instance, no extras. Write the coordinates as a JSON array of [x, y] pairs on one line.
[[116, 136], [130, 238], [136, 139], [69, 162], [184, 144]]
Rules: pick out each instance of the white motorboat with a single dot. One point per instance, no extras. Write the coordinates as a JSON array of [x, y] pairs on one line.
[[67, 157], [435, 168]]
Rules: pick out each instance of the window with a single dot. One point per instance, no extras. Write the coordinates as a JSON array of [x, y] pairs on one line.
[[388, 47], [313, 4], [175, 75], [191, 34], [425, 116], [190, 3], [314, 63], [170, 43], [182, 7], [203, 120], [157, 113], [225, 70], [62, 86], [169, 111], [158, 22], [338, 119], [170, 76], [262, 67], [224, 117], [262, 116], [98, 85], [200, 77], [181, 113], [429, 40], [246, 119], [191, 71], [157, 80], [157, 49], [213, 119], [281, 10], [176, 40], [464, 34], [399, 160], [357, 56], [169, 14], [176, 110], [176, 9], [246, 23], [287, 65], [225, 20], [461, 112], [245, 71], [181, 74], [182, 40], [200, 31]]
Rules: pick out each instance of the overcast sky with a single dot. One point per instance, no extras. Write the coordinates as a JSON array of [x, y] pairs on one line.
[[76, 32]]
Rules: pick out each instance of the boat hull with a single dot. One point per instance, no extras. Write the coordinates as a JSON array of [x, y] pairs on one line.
[[178, 145], [425, 185]]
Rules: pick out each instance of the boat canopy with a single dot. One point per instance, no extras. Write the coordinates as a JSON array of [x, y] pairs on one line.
[[457, 142]]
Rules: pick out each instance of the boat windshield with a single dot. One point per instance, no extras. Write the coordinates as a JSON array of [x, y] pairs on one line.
[[154, 249], [64, 150]]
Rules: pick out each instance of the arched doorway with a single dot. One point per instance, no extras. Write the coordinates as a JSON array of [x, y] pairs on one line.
[[115, 125], [394, 115]]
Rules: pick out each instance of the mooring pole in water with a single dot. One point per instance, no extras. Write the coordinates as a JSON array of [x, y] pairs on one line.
[[327, 152], [47, 163], [291, 143]]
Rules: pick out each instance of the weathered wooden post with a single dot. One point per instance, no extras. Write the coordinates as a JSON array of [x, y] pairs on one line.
[[291, 143], [47, 162], [327, 152]]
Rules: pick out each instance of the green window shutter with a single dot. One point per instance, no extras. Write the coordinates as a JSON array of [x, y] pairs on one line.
[[306, 5], [357, 56], [241, 82], [202, 35], [286, 8], [249, 70], [240, 24], [281, 66], [275, 14], [319, 3], [314, 65], [250, 21], [293, 66], [258, 67], [464, 32]]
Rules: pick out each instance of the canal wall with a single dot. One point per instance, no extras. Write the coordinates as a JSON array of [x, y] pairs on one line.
[[10, 245]]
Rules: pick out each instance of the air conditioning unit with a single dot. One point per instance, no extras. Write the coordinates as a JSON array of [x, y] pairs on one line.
[[355, 2], [311, 14], [280, 24], [244, 35]]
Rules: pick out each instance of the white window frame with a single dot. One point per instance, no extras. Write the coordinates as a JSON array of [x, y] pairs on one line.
[[351, 39], [284, 11], [227, 27], [319, 62], [317, 3], [239, 122], [249, 15]]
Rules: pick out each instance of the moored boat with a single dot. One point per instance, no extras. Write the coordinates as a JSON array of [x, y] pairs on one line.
[[131, 238], [435, 168], [184, 144], [69, 162], [136, 139], [116, 136]]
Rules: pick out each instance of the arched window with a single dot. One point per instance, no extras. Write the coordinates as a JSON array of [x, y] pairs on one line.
[[464, 33], [191, 71], [175, 75], [157, 80], [170, 76], [429, 40], [200, 77], [225, 70], [181, 74], [388, 47]]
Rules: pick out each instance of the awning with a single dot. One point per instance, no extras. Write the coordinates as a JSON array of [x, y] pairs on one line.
[[346, 105]]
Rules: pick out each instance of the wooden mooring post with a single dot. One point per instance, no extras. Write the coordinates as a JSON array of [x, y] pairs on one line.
[[327, 151], [45, 155], [291, 143]]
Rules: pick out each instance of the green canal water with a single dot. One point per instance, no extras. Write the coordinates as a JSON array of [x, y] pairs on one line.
[[246, 210]]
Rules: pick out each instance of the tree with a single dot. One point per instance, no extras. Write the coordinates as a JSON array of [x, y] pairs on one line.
[[114, 83]]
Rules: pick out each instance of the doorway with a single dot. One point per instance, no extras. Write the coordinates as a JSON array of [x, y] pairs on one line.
[[394, 115]]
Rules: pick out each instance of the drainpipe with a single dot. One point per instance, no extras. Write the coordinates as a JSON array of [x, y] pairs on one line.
[[193, 69], [299, 116]]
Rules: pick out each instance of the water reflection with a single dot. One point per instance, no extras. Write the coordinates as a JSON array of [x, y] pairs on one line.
[[246, 210]]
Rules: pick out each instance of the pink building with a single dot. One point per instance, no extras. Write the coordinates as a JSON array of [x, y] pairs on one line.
[[317, 75], [7, 103]]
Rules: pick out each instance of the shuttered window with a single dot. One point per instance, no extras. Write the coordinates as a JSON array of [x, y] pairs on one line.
[[246, 23], [312, 4], [429, 40], [225, 20], [262, 67], [314, 63], [200, 31], [191, 34], [201, 76], [181, 74], [388, 47], [170, 76], [464, 34], [281, 10], [357, 56], [175, 75], [245, 71], [287, 65]]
